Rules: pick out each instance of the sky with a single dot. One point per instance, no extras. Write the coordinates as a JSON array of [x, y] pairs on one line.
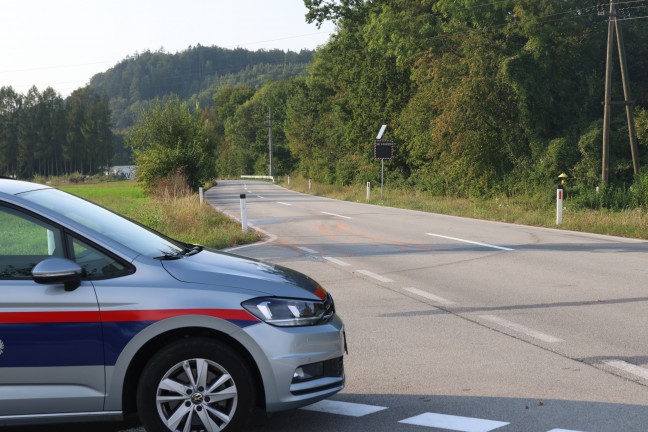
[[63, 43]]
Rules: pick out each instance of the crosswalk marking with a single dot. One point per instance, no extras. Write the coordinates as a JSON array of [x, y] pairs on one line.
[[344, 408], [455, 423]]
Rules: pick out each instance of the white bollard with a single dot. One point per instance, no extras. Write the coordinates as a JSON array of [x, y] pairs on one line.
[[368, 190], [201, 193], [244, 224], [288, 180], [309, 185], [559, 206]]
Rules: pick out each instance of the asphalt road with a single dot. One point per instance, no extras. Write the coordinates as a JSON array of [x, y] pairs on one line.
[[459, 324]]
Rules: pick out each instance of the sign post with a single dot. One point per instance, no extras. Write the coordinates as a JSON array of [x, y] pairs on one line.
[[559, 205], [244, 224]]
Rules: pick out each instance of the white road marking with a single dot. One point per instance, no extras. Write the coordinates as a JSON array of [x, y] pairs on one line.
[[259, 196], [337, 261], [283, 203], [308, 250], [628, 367], [343, 408], [455, 423], [521, 329], [471, 242], [375, 276], [563, 430], [333, 214], [429, 296]]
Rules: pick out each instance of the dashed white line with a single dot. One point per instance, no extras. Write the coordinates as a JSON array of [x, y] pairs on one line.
[[455, 423], [470, 242], [344, 408], [337, 261], [259, 196], [627, 367], [283, 203], [307, 250], [563, 430], [375, 276], [337, 215], [521, 329], [429, 296]]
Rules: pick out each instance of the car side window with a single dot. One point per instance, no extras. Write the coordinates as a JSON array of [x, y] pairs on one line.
[[24, 242], [96, 264]]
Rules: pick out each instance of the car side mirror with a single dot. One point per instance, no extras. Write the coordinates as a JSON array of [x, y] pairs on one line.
[[58, 271]]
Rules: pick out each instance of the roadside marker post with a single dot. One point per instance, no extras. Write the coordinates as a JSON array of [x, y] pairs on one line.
[[368, 190], [244, 224], [559, 205], [202, 195], [309, 185]]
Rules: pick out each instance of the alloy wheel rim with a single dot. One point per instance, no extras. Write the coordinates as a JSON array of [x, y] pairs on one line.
[[196, 395]]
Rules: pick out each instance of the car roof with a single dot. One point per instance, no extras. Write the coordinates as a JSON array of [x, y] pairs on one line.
[[14, 187]]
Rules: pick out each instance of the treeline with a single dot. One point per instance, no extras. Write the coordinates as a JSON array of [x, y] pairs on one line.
[[44, 134], [479, 97], [194, 73]]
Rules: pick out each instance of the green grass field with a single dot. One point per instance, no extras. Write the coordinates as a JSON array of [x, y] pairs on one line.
[[183, 218]]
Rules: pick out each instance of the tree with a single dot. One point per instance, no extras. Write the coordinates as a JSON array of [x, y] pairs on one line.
[[170, 140]]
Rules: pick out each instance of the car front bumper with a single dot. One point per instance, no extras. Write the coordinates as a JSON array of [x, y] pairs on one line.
[[315, 350]]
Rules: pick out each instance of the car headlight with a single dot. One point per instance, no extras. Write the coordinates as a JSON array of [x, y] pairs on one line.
[[286, 312]]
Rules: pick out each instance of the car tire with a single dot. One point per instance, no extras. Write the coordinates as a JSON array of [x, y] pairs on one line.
[[194, 385]]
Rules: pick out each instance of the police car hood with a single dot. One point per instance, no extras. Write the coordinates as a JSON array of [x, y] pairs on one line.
[[218, 268]]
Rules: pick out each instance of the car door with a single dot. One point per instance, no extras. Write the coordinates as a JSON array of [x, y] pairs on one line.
[[51, 347]]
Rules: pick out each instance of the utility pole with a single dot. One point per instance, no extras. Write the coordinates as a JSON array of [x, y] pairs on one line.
[[271, 170], [615, 27]]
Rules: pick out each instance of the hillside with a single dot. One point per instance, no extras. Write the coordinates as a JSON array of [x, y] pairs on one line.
[[195, 73]]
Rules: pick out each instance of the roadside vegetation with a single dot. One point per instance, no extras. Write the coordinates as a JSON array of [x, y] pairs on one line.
[[174, 211], [586, 214]]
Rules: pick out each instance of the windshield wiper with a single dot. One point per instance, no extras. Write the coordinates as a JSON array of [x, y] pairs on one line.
[[188, 251]]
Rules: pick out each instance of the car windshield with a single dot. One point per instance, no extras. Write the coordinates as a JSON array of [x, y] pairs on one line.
[[136, 237]]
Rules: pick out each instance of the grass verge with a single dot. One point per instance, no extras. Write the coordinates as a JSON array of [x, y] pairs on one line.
[[181, 218], [524, 211]]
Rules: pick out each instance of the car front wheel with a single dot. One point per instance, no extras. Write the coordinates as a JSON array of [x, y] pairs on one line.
[[195, 385]]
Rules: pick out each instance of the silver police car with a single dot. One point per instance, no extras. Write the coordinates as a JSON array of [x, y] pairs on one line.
[[101, 317]]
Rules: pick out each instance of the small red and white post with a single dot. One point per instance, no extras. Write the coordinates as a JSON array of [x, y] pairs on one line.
[[368, 190], [244, 224], [559, 205]]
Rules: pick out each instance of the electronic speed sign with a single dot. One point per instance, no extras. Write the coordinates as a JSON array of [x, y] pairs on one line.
[[383, 149]]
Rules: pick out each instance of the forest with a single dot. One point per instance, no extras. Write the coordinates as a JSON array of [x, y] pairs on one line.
[[42, 134], [480, 98]]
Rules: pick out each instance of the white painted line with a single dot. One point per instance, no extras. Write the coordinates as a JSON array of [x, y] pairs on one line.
[[343, 408], [563, 430], [455, 423], [375, 276], [259, 196], [337, 215], [471, 242], [337, 261], [520, 328], [628, 367], [429, 296], [308, 250], [283, 203]]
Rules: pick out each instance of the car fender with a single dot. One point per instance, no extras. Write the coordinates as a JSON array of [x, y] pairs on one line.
[[115, 375]]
